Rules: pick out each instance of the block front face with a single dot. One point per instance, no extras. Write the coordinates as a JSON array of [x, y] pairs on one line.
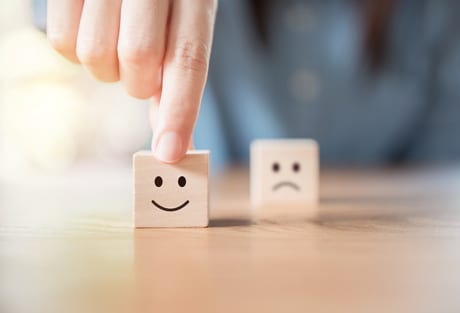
[[284, 172], [171, 195]]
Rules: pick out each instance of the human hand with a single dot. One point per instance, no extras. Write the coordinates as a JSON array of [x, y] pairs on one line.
[[159, 49]]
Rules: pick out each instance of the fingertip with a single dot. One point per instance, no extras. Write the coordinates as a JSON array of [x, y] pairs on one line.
[[191, 145], [169, 147]]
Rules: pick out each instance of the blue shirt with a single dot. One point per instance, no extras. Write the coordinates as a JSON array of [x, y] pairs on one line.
[[312, 80]]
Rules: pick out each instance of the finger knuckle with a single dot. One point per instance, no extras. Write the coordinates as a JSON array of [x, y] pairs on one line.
[[93, 54], [137, 55], [62, 44], [191, 55]]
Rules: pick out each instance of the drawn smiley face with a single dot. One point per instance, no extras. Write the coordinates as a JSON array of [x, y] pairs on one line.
[[295, 168], [171, 195], [181, 181]]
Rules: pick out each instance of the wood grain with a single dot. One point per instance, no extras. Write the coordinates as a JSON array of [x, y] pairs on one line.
[[384, 241]]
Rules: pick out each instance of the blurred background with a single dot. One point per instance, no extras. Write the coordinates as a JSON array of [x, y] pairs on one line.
[[53, 114], [66, 140], [375, 82]]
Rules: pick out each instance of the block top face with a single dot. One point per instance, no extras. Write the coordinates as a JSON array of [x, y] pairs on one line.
[[171, 195], [279, 144], [189, 153], [284, 171]]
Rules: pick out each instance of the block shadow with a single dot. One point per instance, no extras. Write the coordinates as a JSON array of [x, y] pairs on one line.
[[230, 222]]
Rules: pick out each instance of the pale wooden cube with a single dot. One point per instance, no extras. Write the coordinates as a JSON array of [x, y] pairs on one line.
[[171, 195], [284, 172]]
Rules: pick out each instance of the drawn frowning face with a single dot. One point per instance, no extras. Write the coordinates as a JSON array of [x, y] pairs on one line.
[[284, 172], [276, 168]]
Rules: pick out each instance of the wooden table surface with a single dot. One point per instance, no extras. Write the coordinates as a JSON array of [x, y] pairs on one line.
[[384, 241]]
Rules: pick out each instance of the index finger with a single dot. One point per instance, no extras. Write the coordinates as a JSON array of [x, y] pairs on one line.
[[185, 69]]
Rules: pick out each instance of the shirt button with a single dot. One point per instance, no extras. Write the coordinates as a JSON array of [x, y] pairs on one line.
[[299, 18], [304, 86]]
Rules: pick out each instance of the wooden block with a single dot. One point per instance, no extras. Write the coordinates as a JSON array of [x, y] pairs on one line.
[[171, 195], [284, 173]]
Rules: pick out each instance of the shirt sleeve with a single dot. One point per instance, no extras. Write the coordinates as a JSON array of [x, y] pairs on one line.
[[438, 130]]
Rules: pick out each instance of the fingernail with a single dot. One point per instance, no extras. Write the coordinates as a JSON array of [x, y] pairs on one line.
[[169, 147]]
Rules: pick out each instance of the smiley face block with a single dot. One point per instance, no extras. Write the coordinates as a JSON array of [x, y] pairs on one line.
[[284, 173], [171, 195]]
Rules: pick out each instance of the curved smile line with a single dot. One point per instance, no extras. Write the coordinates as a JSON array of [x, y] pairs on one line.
[[286, 184], [170, 209]]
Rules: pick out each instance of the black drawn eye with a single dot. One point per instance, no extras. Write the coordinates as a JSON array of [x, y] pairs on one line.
[[182, 181], [158, 181], [275, 167], [296, 167]]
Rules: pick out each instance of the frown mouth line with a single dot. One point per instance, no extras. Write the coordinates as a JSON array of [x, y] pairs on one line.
[[286, 184]]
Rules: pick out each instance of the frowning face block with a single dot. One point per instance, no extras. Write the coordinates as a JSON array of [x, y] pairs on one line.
[[171, 195], [284, 172]]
